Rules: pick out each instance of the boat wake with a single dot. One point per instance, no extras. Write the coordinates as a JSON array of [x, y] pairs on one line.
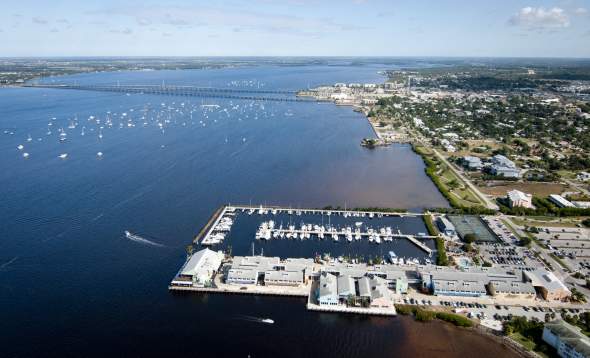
[[6, 264], [255, 319], [141, 240]]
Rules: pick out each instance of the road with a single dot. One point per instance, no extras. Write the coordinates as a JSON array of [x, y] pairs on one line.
[[488, 203]]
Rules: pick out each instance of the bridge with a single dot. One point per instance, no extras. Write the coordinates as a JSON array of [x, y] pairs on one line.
[[187, 91]]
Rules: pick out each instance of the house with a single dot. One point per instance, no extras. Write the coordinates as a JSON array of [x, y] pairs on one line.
[[550, 287], [560, 201], [472, 163], [517, 198], [567, 339], [445, 226], [327, 292], [346, 287], [200, 268]]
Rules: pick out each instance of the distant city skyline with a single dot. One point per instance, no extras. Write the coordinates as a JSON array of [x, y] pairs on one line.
[[296, 28]]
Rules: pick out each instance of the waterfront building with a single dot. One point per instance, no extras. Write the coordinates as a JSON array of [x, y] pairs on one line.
[[346, 287], [550, 287], [364, 288], [472, 282], [283, 278], [327, 292], [568, 340], [380, 294], [472, 163], [241, 277], [445, 226], [560, 201], [199, 269], [512, 289], [517, 198]]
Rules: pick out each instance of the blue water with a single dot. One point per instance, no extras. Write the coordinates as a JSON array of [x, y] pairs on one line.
[[71, 285]]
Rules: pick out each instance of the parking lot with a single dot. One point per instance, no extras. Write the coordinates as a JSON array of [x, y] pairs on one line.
[[515, 256]]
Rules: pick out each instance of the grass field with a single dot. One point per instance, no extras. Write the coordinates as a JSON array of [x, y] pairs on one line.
[[536, 189]]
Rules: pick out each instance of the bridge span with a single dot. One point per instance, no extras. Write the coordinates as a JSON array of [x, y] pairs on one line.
[[187, 91]]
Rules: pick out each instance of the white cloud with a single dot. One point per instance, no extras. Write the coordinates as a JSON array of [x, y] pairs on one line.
[[581, 11], [539, 18], [124, 31], [143, 21], [39, 20]]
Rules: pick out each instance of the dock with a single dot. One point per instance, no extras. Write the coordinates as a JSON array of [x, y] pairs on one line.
[[220, 223]]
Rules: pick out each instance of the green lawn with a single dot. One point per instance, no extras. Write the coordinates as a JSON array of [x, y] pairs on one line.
[[525, 342]]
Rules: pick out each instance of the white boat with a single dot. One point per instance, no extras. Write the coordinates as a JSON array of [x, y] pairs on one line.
[[63, 155], [20, 147], [99, 154], [267, 321], [25, 155]]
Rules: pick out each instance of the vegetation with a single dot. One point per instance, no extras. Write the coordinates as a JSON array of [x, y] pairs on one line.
[[432, 230], [582, 321], [424, 315], [441, 253], [528, 333], [467, 203]]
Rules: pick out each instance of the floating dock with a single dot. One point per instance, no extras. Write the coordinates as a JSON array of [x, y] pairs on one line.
[[215, 230]]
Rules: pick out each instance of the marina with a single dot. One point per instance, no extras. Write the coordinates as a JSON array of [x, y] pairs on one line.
[[221, 224]]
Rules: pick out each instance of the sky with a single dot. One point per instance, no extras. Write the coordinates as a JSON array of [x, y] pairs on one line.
[[484, 28]]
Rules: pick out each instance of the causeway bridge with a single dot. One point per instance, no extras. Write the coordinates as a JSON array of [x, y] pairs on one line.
[[187, 91]]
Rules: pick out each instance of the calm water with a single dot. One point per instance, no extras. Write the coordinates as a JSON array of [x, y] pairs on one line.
[[71, 285], [244, 228]]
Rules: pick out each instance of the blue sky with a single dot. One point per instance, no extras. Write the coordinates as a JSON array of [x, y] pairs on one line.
[[296, 27]]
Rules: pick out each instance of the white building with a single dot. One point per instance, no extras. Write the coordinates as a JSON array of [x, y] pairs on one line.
[[517, 198], [560, 201], [201, 267], [583, 176], [568, 340], [327, 292], [472, 163]]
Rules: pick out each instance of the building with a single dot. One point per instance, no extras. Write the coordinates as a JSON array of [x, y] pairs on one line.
[[446, 226], [568, 340], [472, 163], [200, 268], [380, 294], [517, 198], [560, 201], [346, 287], [327, 292], [271, 270], [283, 278], [502, 166], [549, 286], [472, 282], [241, 277], [511, 289], [583, 176]]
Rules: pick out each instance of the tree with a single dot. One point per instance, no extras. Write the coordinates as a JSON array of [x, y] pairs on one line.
[[470, 238]]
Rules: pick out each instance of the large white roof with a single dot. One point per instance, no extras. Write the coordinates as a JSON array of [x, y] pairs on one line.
[[202, 262]]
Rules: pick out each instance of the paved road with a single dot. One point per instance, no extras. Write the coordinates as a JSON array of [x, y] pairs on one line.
[[488, 203]]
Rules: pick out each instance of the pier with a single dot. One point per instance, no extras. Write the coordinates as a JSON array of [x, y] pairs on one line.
[[220, 223], [186, 91]]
